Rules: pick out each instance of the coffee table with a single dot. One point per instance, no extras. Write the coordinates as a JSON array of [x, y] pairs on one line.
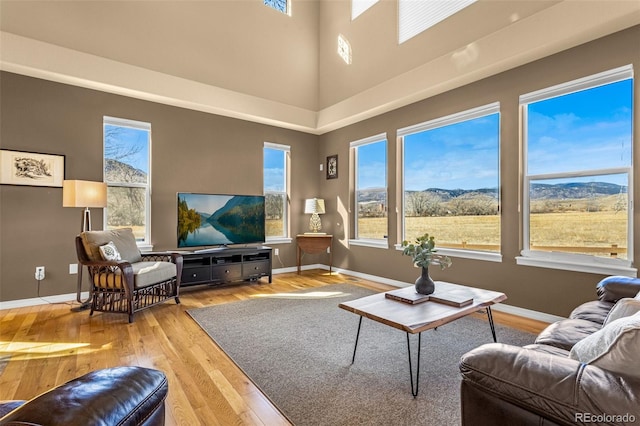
[[416, 318]]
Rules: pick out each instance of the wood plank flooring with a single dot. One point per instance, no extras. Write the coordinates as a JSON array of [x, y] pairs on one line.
[[48, 345]]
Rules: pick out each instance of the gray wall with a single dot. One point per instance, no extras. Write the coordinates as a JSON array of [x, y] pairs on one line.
[[192, 152], [200, 152]]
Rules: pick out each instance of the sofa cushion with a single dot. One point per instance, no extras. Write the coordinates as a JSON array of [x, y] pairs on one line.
[[623, 308], [594, 311], [144, 275], [615, 347], [566, 333], [551, 350], [123, 239]]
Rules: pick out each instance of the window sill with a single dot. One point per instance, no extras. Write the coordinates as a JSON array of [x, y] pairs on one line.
[[280, 240], [589, 265], [466, 254], [383, 244], [144, 247]]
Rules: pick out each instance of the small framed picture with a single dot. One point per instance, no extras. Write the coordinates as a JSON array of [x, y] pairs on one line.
[[332, 166], [31, 168]]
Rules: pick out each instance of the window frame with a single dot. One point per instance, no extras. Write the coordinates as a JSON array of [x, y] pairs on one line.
[[353, 147], [286, 149], [144, 245], [458, 117], [573, 261]]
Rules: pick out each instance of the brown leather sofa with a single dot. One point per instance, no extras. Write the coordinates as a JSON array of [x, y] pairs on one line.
[[124, 396], [542, 383]]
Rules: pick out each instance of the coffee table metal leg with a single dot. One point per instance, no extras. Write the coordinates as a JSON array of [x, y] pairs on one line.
[[414, 392], [356, 345], [493, 329]]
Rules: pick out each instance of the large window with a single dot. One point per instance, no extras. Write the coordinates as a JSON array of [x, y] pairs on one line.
[[127, 172], [276, 159], [370, 157], [451, 180], [578, 158]]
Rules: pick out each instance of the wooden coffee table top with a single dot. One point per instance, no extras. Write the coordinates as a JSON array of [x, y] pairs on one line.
[[423, 316]]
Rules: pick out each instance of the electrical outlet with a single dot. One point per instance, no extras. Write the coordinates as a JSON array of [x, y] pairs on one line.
[[73, 268], [276, 252], [39, 275]]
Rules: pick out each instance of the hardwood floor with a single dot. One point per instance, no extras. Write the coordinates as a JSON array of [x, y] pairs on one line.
[[47, 345]]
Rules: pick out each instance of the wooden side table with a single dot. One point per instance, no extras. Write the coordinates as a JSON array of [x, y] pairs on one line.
[[313, 244]]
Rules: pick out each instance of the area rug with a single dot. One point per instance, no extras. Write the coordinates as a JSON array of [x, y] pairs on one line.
[[297, 349]]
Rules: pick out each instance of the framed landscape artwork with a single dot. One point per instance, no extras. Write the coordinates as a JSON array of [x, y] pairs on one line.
[[31, 168]]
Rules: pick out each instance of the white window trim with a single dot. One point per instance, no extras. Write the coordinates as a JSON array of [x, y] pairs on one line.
[[465, 254], [570, 261], [368, 242], [470, 114], [286, 238], [146, 244]]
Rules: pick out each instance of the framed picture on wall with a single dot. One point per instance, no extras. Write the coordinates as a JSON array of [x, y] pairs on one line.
[[332, 166], [31, 168]]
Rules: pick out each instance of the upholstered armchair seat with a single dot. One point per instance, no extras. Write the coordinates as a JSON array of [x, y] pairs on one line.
[[144, 274], [127, 280]]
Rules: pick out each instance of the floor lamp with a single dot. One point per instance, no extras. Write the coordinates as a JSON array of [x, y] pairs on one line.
[[85, 194]]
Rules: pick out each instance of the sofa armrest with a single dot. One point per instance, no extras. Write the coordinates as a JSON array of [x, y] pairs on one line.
[[122, 395], [554, 387], [614, 288]]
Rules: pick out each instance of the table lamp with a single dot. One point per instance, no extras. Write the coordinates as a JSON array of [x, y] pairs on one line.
[[314, 207]]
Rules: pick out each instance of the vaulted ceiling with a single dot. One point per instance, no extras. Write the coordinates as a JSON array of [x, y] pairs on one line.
[[242, 59]]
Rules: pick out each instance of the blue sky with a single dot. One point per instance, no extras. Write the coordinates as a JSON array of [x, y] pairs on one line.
[[135, 138], [274, 170], [587, 130], [372, 159], [458, 156]]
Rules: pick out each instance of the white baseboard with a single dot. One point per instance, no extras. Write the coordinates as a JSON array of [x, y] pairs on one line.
[[45, 300], [501, 307]]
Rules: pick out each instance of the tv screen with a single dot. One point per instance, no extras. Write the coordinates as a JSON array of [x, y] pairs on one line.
[[218, 219]]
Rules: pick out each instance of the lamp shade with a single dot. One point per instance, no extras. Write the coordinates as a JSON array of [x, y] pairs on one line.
[[314, 205], [84, 193]]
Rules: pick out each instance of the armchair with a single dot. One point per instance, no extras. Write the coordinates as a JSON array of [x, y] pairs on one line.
[[122, 279]]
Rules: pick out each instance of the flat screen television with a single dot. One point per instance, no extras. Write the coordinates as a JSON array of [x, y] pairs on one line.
[[219, 219]]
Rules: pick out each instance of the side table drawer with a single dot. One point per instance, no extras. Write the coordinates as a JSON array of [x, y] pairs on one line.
[[196, 275]]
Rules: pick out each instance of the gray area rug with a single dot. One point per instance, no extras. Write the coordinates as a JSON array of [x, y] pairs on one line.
[[297, 349]]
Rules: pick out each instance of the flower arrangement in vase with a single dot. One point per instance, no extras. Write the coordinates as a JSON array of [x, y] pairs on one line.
[[423, 253]]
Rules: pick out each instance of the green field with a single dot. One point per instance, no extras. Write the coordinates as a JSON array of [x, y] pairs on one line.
[[576, 232]]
